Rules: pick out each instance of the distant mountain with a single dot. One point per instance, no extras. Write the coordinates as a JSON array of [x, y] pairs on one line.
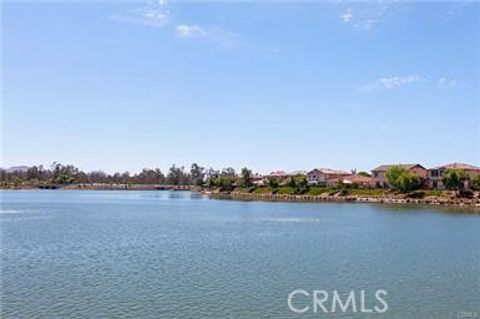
[[13, 169]]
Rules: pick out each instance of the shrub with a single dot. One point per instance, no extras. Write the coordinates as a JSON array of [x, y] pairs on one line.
[[476, 183], [316, 190], [286, 190], [374, 192], [272, 182], [262, 190], [433, 192]]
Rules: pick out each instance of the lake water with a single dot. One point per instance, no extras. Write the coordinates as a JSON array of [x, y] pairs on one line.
[[87, 254]]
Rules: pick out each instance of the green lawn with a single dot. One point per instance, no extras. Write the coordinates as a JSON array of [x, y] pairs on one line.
[[262, 190], [315, 190], [285, 190]]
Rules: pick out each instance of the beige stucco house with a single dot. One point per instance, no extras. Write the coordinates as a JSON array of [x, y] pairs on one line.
[[281, 176], [320, 176], [435, 174], [352, 179], [378, 173]]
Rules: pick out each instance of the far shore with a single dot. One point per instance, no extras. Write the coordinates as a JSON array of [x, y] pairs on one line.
[[431, 200], [445, 198], [104, 187]]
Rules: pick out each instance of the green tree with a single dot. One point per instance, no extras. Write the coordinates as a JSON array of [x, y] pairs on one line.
[[225, 182], [211, 177], [392, 175], [197, 174], [64, 174], [365, 174], [246, 177], [408, 182], [291, 182], [301, 183], [402, 180], [272, 182], [149, 176], [176, 175], [476, 183], [454, 179]]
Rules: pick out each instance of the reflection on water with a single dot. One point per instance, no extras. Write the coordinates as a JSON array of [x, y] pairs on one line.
[[415, 208]]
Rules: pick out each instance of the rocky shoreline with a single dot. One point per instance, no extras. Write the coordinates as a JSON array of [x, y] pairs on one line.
[[431, 200]]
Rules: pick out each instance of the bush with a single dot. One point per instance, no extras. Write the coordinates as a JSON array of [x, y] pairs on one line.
[[285, 190], [433, 192], [343, 192], [262, 190], [368, 192], [316, 190], [245, 190], [272, 182], [476, 183]]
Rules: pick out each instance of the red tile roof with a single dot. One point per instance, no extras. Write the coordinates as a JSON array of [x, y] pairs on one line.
[[383, 168], [458, 166], [283, 173], [278, 173], [329, 171]]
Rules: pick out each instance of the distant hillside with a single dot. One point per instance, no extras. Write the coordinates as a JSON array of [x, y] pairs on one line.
[[22, 168]]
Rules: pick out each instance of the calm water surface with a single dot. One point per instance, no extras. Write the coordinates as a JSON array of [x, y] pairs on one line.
[[87, 254]]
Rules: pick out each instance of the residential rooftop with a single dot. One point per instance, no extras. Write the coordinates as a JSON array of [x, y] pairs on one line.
[[382, 168], [331, 171], [457, 166]]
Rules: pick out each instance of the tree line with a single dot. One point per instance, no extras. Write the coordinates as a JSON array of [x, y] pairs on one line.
[[398, 178], [62, 174]]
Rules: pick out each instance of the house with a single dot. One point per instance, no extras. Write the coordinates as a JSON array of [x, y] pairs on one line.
[[276, 176], [257, 179], [352, 179], [300, 172], [281, 176], [320, 176], [435, 174], [378, 173]]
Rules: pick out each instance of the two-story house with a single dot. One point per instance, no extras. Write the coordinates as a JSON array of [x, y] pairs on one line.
[[379, 178], [320, 176], [435, 174]]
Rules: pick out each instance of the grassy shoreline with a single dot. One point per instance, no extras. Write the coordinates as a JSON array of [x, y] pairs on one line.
[[436, 201], [352, 195]]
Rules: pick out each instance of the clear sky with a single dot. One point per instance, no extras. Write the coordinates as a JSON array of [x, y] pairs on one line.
[[122, 86]]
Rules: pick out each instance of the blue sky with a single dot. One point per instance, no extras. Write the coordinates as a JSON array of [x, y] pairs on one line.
[[122, 86]]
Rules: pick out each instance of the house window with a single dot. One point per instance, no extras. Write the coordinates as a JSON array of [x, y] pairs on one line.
[[434, 184]]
